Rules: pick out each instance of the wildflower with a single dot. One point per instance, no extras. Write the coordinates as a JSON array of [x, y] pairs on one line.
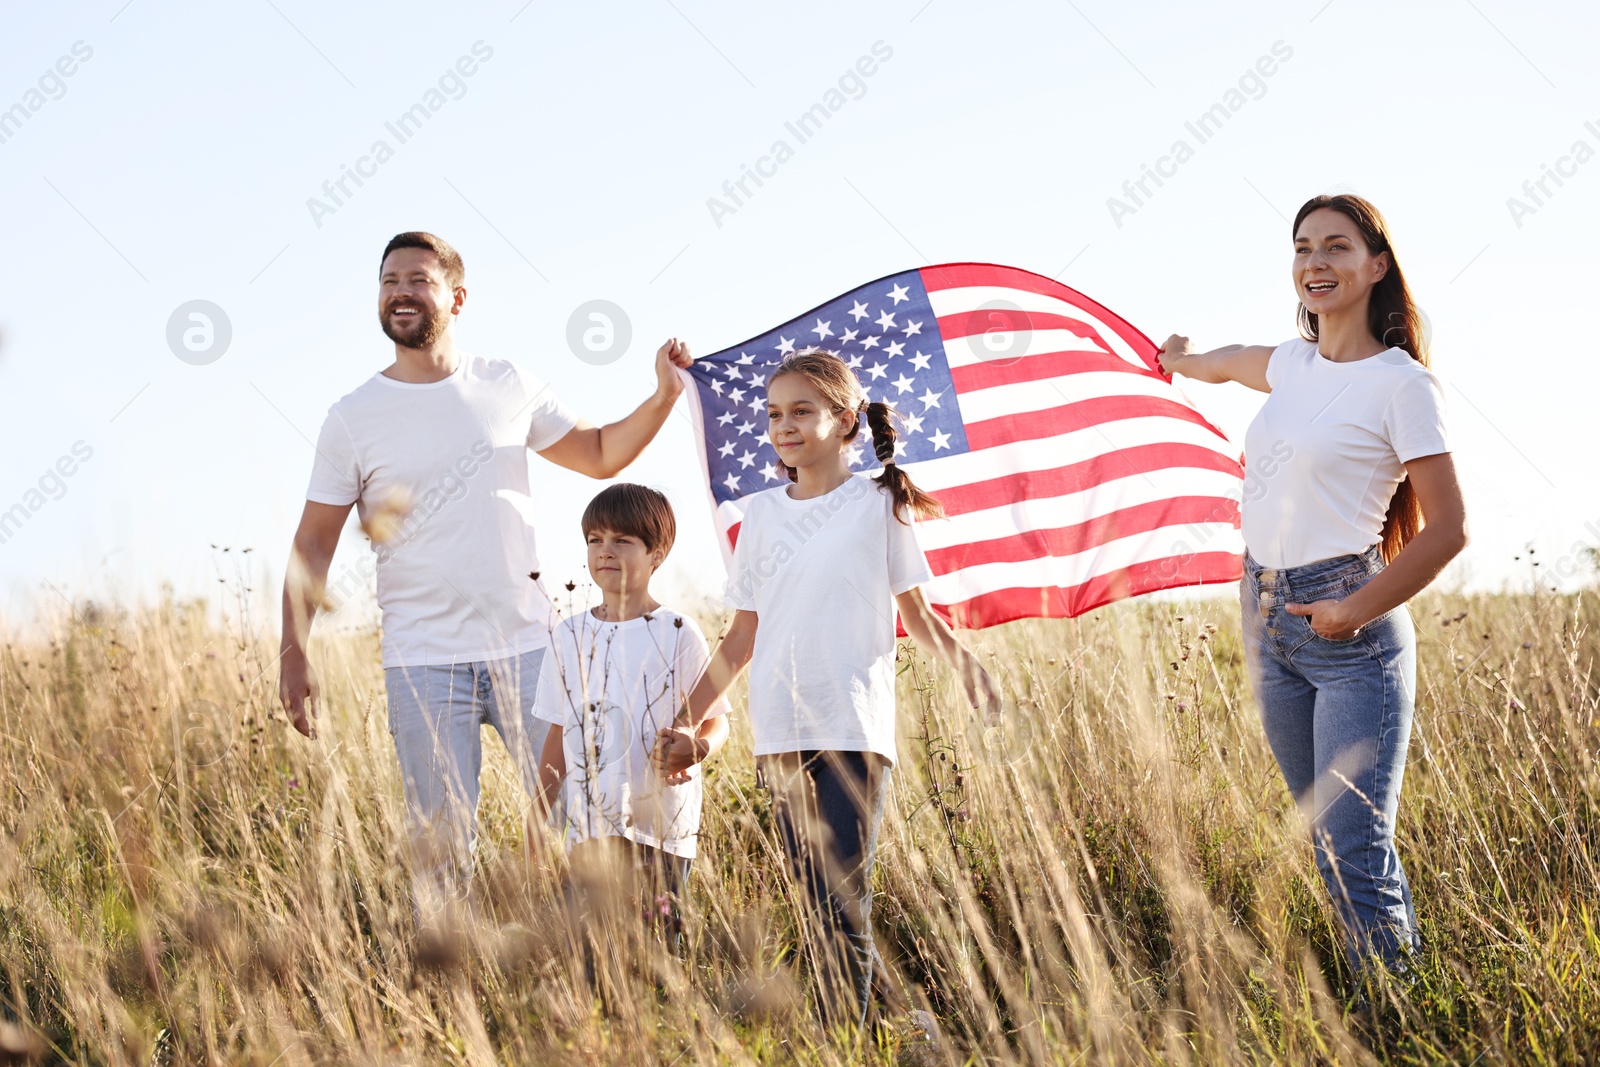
[[382, 523]]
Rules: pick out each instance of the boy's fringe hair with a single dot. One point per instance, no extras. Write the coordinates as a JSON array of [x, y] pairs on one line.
[[636, 510], [842, 390]]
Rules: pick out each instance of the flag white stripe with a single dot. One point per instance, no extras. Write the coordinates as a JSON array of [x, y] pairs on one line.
[[1068, 571], [1070, 509], [1019, 398], [1076, 446], [1004, 346]]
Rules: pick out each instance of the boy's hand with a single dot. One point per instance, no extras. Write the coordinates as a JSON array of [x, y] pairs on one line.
[[677, 749]]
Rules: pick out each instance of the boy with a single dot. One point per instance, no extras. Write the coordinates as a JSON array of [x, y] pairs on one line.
[[614, 676]]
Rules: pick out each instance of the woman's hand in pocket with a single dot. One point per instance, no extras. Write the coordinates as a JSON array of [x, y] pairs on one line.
[[1330, 619]]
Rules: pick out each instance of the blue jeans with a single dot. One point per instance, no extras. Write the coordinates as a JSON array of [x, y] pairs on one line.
[[828, 807], [435, 715], [1338, 717]]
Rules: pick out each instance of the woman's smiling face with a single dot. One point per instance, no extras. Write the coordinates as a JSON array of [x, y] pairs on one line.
[[1333, 268], [802, 427]]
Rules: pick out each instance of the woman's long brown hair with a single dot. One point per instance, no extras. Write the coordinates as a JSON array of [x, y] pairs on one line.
[[842, 390], [1394, 319]]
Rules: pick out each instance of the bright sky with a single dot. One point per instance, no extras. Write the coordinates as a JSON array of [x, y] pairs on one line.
[[175, 162]]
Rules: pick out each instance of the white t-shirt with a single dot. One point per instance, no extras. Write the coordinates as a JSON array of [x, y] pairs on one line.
[[453, 581], [611, 686], [1328, 448], [821, 575]]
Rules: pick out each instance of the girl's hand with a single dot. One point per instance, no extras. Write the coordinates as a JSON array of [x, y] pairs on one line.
[[1172, 354], [677, 749], [1330, 619], [982, 692]]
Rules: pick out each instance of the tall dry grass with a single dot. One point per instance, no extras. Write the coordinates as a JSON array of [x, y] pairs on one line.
[[183, 880]]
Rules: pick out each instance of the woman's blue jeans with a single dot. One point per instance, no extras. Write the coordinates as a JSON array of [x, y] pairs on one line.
[[1338, 717]]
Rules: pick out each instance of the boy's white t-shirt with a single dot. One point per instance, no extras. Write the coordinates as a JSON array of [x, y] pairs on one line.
[[611, 686], [453, 580], [821, 576], [1328, 448]]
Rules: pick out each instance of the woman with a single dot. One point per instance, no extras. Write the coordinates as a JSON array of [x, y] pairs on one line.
[[1347, 458]]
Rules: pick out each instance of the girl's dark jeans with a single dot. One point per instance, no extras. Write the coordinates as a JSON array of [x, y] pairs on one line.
[[828, 806]]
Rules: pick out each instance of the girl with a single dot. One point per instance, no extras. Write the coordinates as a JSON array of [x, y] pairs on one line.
[[1345, 459], [819, 569]]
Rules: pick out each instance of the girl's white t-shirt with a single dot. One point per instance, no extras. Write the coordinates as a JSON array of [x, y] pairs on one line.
[[1327, 450], [611, 686], [821, 575]]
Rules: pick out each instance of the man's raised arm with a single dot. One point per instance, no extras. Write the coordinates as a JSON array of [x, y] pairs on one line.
[[304, 583], [603, 451]]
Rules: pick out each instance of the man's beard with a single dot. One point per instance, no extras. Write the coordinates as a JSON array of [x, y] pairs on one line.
[[421, 332]]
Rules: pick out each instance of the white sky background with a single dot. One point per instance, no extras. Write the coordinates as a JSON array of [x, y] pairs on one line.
[[185, 149]]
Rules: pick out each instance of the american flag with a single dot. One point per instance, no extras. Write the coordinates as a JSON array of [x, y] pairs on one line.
[[1072, 472]]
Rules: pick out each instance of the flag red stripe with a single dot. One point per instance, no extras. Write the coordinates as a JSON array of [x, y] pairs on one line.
[[1006, 371], [961, 275], [1076, 477], [1065, 418], [1006, 605], [1070, 540]]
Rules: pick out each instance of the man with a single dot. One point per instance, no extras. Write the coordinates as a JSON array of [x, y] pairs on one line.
[[433, 450]]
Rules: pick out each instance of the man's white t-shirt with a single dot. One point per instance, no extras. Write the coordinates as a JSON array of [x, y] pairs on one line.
[[453, 580], [1327, 450], [821, 576], [611, 686]]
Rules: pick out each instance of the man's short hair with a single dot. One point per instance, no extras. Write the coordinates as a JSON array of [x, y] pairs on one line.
[[635, 510], [454, 271]]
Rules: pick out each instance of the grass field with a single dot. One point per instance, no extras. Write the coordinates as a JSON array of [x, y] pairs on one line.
[[183, 880]]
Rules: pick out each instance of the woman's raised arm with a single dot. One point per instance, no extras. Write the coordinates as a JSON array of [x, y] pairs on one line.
[[1245, 364]]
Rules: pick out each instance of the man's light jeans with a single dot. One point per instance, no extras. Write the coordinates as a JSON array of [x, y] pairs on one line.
[[435, 716]]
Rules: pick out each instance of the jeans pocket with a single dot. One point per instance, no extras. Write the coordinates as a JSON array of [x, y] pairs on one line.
[[1352, 639]]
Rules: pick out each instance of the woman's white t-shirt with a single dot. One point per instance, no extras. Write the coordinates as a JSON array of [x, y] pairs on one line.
[[611, 686], [1327, 450], [821, 575]]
